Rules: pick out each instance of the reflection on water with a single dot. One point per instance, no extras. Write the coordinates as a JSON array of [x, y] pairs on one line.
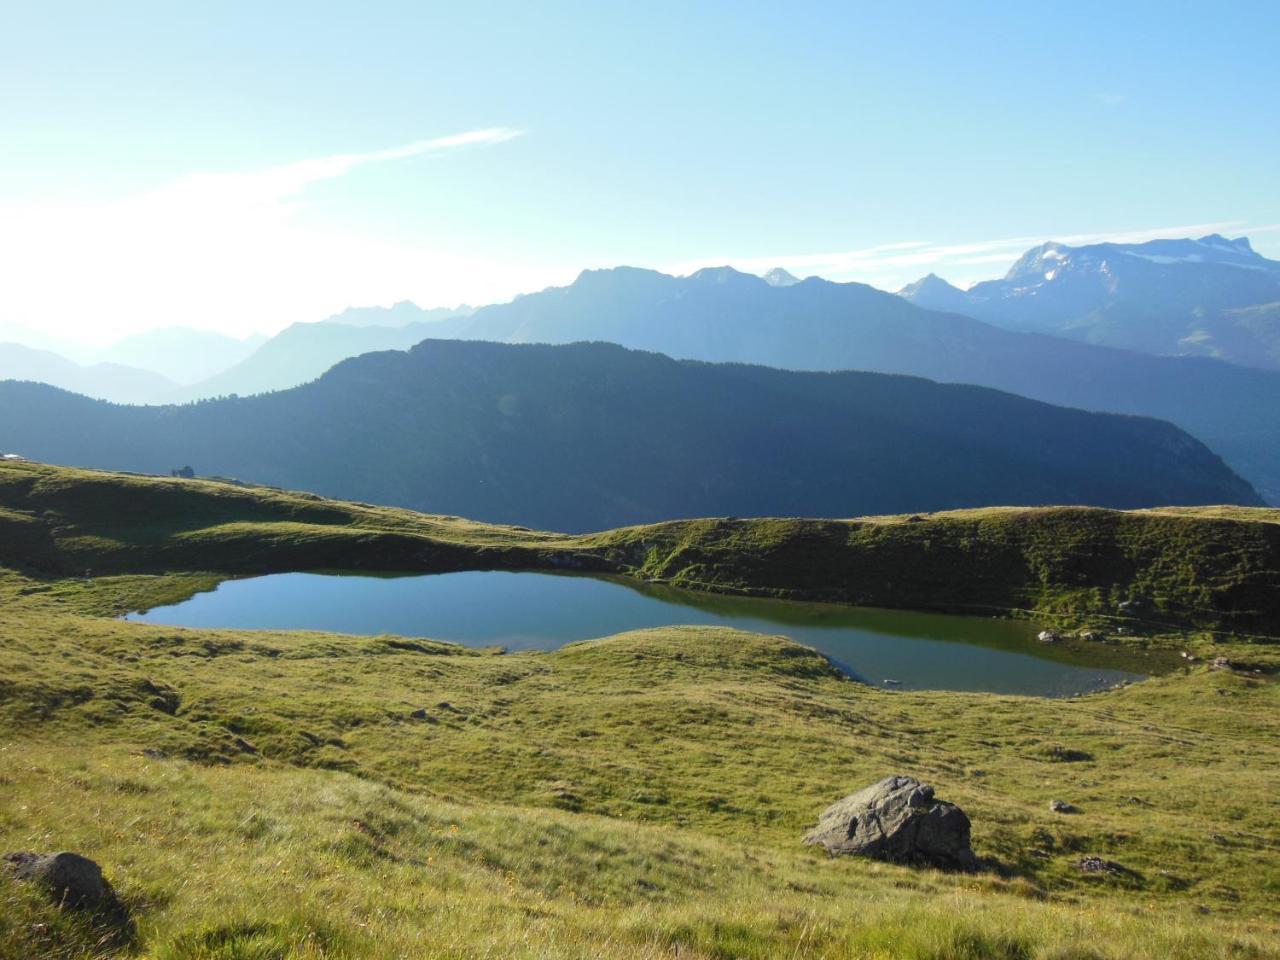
[[542, 611]]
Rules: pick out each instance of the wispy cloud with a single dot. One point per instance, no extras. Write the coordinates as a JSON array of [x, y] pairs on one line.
[[290, 179], [891, 266], [227, 250]]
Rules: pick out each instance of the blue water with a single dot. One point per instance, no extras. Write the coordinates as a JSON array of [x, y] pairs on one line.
[[536, 611]]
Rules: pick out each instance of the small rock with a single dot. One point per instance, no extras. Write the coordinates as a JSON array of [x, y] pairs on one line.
[[1061, 806], [1099, 865], [419, 714], [152, 753], [1048, 636], [1092, 864], [1220, 663], [897, 820], [72, 880]]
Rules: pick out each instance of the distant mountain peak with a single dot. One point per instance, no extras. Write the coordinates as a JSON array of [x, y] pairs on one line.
[[1209, 296], [778, 277], [1240, 244], [930, 282], [597, 275], [933, 293], [400, 314], [724, 274], [1043, 263]]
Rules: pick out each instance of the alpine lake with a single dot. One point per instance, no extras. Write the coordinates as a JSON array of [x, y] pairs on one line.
[[896, 649]]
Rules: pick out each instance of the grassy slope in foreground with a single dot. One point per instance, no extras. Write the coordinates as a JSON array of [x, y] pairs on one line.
[[1211, 568], [635, 796]]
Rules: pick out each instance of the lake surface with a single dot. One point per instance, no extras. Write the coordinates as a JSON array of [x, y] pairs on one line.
[[540, 611]]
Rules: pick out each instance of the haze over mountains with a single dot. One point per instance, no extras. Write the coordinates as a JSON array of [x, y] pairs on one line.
[[179, 364], [179, 354], [591, 436], [1210, 297], [303, 351], [109, 381]]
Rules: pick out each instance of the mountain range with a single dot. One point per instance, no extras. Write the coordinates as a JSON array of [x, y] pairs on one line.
[[1210, 297], [719, 314], [589, 436]]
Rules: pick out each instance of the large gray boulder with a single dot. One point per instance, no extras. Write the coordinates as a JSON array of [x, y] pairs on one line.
[[72, 880], [897, 820]]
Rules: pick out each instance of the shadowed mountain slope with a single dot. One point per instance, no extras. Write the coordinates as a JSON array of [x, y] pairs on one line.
[[591, 436]]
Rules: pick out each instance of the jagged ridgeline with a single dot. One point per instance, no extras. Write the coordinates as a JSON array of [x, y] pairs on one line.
[[1217, 568], [589, 436]]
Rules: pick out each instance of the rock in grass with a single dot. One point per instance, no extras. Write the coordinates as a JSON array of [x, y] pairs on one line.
[[1061, 806], [1093, 864], [72, 880], [897, 820]]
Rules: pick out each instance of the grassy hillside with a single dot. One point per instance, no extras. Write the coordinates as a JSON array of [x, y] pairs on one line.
[[258, 795], [1213, 568], [1204, 567]]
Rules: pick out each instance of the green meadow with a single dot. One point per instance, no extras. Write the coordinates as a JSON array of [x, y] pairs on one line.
[[258, 795]]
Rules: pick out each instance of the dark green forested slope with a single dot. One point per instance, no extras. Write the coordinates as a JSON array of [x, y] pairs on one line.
[[590, 436]]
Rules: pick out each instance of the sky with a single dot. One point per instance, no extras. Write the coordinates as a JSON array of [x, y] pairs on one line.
[[242, 166]]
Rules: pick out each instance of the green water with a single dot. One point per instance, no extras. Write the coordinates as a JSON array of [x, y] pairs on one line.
[[896, 648]]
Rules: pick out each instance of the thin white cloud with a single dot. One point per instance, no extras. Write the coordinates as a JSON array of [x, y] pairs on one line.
[[227, 251], [290, 179]]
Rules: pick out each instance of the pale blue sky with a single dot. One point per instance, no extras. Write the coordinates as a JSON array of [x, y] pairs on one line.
[[661, 134]]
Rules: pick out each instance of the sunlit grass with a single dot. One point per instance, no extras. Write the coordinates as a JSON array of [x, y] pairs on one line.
[[266, 861], [263, 795]]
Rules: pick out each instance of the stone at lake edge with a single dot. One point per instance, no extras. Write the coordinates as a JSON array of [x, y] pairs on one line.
[[897, 820]]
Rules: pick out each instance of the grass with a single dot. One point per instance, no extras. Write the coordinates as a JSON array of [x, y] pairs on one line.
[[257, 794]]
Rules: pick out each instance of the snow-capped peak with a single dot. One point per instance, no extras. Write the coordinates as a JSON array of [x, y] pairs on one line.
[[778, 277]]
